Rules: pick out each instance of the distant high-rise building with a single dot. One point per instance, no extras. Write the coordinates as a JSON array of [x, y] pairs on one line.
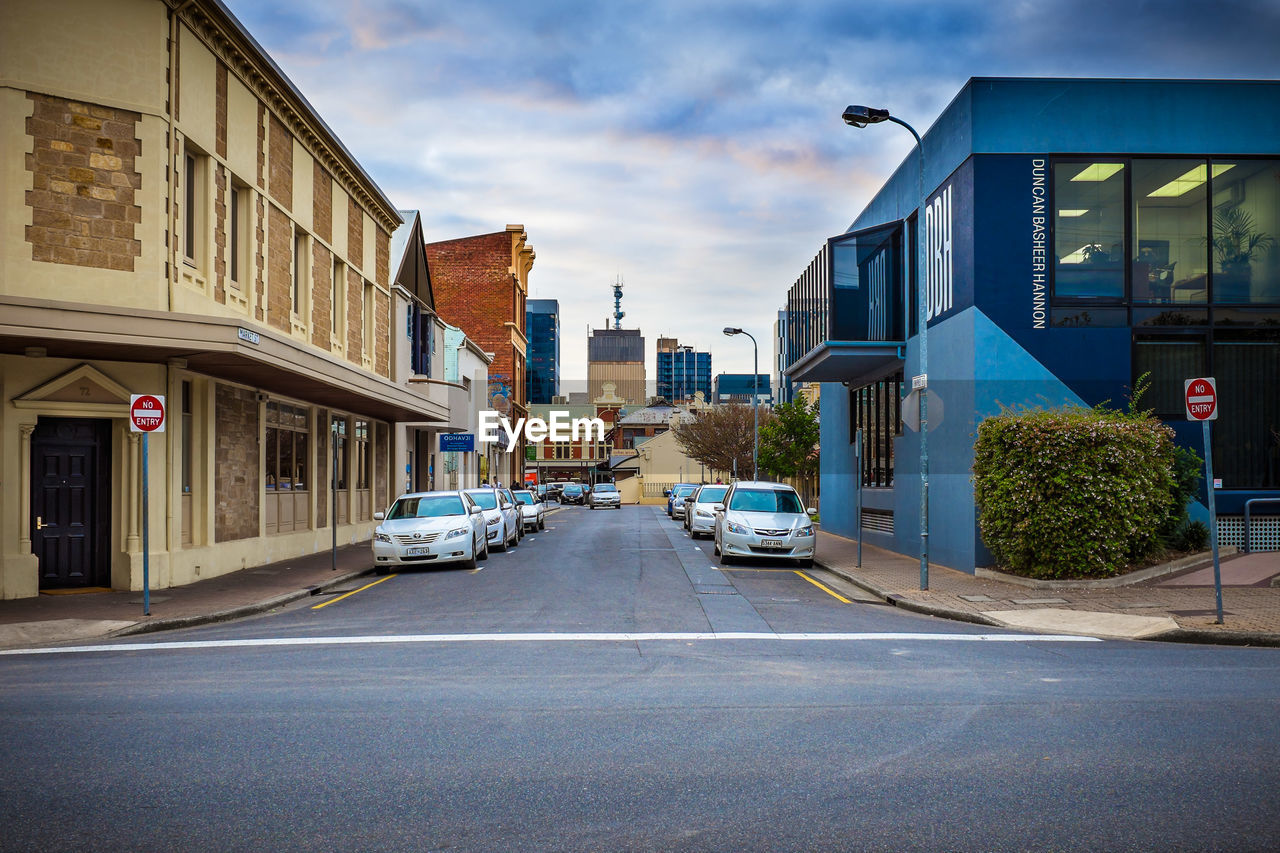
[[738, 388], [682, 371], [782, 358], [542, 328], [616, 356]]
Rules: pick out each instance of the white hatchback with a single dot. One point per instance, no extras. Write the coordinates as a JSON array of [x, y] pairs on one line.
[[759, 519]]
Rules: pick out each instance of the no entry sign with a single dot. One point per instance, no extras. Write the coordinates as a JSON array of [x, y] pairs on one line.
[[146, 413], [1201, 399]]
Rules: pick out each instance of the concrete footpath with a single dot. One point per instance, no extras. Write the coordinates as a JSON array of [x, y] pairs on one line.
[[1174, 603]]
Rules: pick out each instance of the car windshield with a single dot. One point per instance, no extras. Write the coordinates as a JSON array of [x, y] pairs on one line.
[[712, 494], [604, 487], [765, 500], [525, 498], [485, 500], [685, 491], [573, 490], [430, 506]]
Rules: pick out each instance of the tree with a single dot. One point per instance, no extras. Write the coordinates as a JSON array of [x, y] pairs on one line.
[[721, 436], [789, 442]]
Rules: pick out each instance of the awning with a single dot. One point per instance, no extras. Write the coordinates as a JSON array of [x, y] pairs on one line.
[[855, 362], [221, 347]]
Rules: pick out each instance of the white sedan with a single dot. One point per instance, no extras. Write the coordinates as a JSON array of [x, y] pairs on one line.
[[501, 516], [759, 519], [533, 512], [429, 527]]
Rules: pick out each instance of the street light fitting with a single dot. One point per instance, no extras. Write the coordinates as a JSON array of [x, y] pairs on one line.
[[729, 330], [860, 116]]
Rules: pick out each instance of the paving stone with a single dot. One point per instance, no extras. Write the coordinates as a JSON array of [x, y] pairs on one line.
[[1039, 601], [977, 598]]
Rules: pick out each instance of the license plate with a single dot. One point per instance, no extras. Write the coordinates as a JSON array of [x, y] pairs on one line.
[[772, 543], [417, 551]]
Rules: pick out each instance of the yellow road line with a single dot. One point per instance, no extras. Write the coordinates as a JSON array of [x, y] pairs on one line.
[[825, 589], [353, 592]]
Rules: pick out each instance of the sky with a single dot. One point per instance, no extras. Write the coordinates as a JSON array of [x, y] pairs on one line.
[[693, 149]]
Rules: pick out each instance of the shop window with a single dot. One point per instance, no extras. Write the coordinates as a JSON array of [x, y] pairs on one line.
[[1170, 258], [363, 462], [1089, 236], [876, 409], [1167, 362], [1246, 435], [286, 469], [1246, 231]]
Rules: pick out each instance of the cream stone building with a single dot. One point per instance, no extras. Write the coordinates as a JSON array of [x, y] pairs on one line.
[[176, 219]]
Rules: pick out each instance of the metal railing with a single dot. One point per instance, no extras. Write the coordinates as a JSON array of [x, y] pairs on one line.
[[1248, 506]]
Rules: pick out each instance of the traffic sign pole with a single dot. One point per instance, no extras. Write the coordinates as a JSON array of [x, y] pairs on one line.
[[1213, 516], [1201, 399], [146, 539], [146, 415]]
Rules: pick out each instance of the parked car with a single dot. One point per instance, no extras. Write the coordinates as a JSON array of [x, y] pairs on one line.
[[761, 519], [430, 527], [501, 516], [700, 509], [676, 495], [604, 495], [533, 512], [573, 494]]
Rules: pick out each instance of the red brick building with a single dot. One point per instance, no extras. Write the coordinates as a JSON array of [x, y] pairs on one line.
[[481, 284]]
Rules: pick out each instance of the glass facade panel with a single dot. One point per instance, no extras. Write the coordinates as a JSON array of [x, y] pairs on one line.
[[1089, 236], [1170, 362], [1246, 226], [876, 409], [1170, 256]]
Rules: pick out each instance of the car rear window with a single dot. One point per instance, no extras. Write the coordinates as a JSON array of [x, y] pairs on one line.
[[765, 500], [432, 506]]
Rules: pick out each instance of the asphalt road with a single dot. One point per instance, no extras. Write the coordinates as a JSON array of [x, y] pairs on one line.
[[604, 687]]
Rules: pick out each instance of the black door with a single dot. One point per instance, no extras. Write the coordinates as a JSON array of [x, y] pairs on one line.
[[70, 475]]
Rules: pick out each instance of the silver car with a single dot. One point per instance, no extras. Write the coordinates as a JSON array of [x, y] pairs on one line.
[[700, 510], [501, 516], [760, 519], [604, 495], [429, 527], [533, 512]]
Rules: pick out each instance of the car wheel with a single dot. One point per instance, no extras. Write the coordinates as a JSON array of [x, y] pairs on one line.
[[380, 570], [542, 524], [725, 559], [806, 564], [471, 563], [484, 554], [501, 544], [715, 545]]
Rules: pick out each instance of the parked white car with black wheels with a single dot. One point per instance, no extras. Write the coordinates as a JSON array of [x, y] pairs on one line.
[[533, 511], [501, 516], [429, 527], [760, 519], [700, 510]]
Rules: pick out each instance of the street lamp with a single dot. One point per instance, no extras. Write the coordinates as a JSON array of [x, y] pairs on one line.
[[860, 116], [755, 399]]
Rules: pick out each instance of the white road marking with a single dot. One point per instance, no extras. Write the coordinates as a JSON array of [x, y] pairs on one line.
[[404, 639]]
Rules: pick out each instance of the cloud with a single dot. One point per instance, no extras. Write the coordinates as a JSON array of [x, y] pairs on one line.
[[693, 147]]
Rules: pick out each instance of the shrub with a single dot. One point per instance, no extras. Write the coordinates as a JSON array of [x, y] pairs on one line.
[[1077, 492]]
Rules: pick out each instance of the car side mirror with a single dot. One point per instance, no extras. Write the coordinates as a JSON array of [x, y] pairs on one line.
[[378, 516], [475, 510], [666, 493], [811, 511], [718, 508]]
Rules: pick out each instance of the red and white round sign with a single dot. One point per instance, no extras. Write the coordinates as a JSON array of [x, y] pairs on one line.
[[1202, 399], [146, 413]]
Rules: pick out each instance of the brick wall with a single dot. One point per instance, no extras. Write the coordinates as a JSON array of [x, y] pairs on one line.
[[355, 235], [382, 334], [355, 321], [262, 145], [220, 199], [382, 253], [472, 284], [259, 260], [236, 477], [322, 202], [83, 184], [279, 268], [220, 111], [321, 293], [280, 163]]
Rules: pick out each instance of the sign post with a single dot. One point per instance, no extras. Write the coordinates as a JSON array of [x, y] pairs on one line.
[[1201, 397], [146, 415]]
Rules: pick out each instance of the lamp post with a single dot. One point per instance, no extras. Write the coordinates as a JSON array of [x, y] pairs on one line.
[[755, 399], [860, 116]]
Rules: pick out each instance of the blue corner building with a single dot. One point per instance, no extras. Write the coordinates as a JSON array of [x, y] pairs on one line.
[[1078, 234], [683, 372], [542, 367]]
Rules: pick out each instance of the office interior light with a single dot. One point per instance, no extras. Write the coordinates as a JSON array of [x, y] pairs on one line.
[[1098, 171], [1071, 214], [1185, 183]]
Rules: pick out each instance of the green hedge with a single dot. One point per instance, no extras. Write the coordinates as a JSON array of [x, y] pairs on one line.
[[1071, 493]]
